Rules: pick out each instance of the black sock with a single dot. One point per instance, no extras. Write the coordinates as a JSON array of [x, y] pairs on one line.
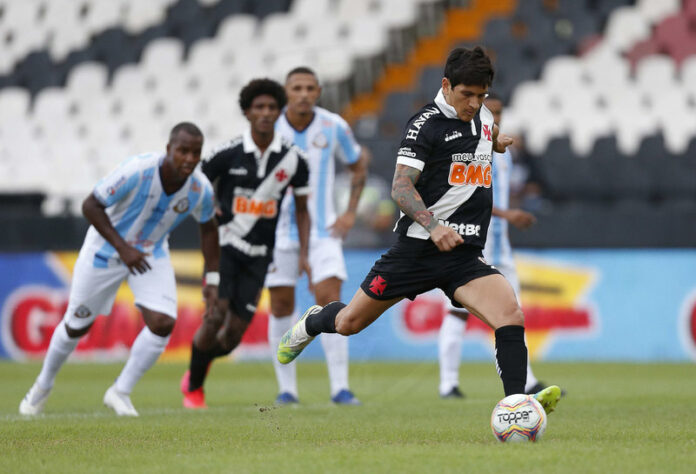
[[511, 358], [324, 320], [198, 368]]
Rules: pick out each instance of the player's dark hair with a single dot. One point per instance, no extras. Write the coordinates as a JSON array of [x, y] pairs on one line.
[[471, 67], [259, 87], [301, 70], [187, 127]]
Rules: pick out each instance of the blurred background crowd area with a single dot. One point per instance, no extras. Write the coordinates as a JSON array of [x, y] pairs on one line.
[[599, 94]]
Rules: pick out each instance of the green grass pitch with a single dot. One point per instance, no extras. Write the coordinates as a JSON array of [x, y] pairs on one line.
[[615, 418]]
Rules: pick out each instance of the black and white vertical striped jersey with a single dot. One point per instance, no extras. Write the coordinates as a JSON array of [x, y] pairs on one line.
[[455, 162], [250, 187]]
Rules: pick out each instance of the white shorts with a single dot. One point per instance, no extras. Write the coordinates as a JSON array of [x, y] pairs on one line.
[[93, 289], [325, 259]]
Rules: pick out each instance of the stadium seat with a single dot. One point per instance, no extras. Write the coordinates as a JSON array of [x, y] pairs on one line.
[[656, 10], [626, 26]]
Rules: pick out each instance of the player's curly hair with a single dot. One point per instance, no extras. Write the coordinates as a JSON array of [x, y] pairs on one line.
[[258, 87], [471, 67]]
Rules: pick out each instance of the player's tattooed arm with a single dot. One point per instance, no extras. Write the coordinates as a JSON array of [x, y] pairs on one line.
[[408, 199], [500, 140]]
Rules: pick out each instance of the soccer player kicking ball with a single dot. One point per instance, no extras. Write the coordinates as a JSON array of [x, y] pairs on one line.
[[252, 174], [132, 212], [442, 184]]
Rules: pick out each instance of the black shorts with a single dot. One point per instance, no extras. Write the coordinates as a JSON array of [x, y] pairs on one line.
[[241, 281], [413, 266]]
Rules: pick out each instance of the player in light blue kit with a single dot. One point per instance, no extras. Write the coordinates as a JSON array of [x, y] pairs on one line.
[[132, 212], [498, 253], [325, 137]]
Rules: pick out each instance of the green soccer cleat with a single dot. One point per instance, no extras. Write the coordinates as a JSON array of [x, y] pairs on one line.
[[296, 339], [549, 397]]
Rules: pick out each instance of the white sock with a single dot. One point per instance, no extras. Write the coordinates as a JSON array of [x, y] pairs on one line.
[[286, 374], [145, 351], [449, 352], [336, 352], [59, 349]]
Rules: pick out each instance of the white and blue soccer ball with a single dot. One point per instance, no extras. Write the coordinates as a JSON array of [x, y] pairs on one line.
[[518, 418]]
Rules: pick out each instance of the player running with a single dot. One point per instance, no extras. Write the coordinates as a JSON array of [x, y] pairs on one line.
[[498, 253], [251, 173], [442, 184], [132, 212], [324, 137]]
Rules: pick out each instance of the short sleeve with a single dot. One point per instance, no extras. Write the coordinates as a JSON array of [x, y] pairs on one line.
[[300, 181], [119, 183], [215, 164], [348, 149], [205, 210], [415, 148]]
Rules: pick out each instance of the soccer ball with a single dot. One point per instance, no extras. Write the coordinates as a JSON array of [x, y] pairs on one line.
[[517, 418]]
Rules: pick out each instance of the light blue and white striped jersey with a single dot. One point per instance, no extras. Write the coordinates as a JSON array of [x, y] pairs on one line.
[[140, 210], [327, 138], [497, 250]]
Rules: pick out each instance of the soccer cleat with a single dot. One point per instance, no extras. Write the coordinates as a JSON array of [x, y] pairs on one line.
[[34, 401], [286, 398], [194, 400], [345, 397], [539, 387], [119, 402], [296, 339], [454, 393], [549, 397]]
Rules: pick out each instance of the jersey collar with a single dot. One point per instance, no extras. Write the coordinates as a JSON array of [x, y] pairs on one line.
[[442, 104], [250, 145]]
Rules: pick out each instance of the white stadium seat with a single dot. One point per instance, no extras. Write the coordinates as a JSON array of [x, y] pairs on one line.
[[656, 10], [625, 27]]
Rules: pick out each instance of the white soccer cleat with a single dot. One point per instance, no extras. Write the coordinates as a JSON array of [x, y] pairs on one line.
[[296, 338], [119, 402], [34, 401]]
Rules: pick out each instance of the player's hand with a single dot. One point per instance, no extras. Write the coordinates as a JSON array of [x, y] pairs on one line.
[[343, 224], [134, 259], [210, 296], [520, 219], [304, 267], [502, 142], [445, 238]]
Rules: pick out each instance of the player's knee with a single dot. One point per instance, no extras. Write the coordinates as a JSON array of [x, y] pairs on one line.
[[281, 307], [515, 317], [161, 324], [233, 332]]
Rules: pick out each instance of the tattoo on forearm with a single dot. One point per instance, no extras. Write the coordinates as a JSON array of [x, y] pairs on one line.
[[408, 199]]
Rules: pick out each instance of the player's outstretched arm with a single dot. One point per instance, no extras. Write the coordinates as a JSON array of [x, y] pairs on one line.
[[210, 247], [94, 212], [500, 140], [303, 224], [358, 176], [408, 199]]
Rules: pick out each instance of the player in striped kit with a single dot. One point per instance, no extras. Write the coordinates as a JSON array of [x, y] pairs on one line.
[[498, 253], [132, 212], [325, 137]]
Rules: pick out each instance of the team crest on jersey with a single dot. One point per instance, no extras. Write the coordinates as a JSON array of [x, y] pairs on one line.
[[487, 132], [181, 206], [281, 175], [320, 140]]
